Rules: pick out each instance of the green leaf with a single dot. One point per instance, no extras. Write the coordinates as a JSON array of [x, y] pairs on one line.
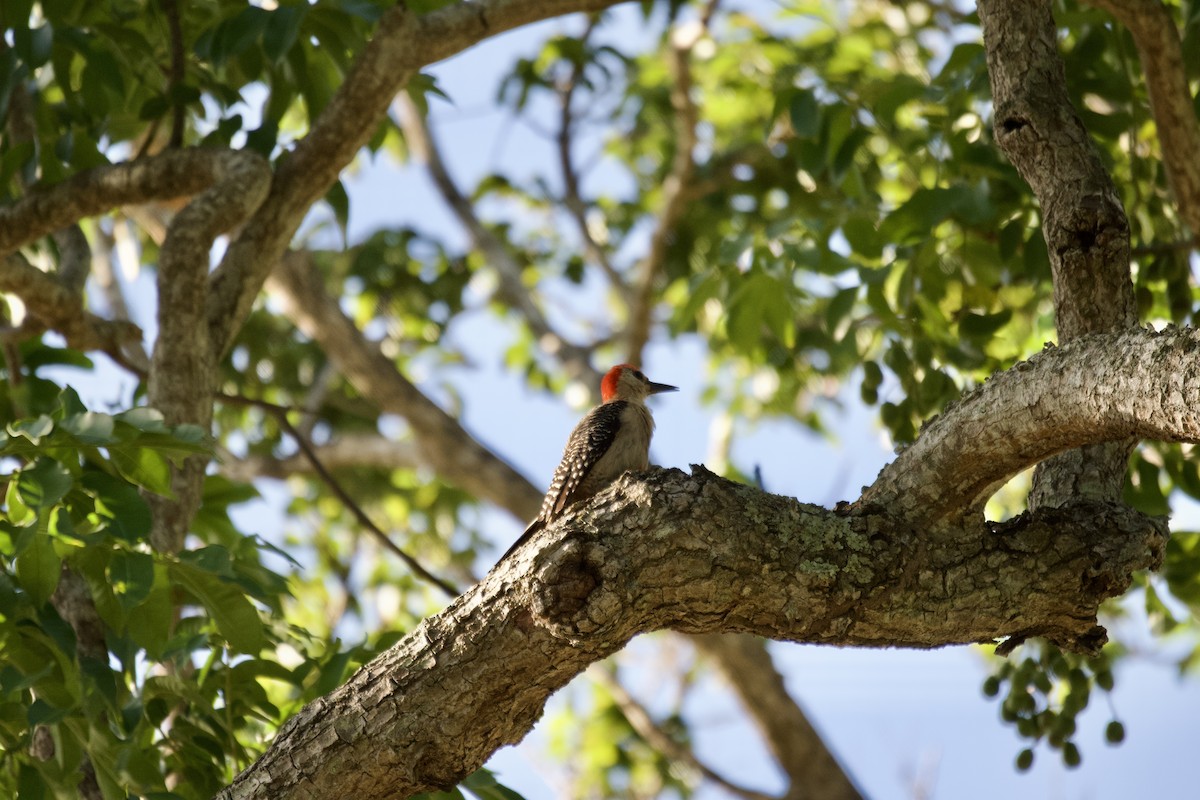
[[127, 513], [17, 512], [38, 568], [44, 485], [281, 31], [235, 616], [142, 466], [131, 575], [144, 418], [149, 624], [90, 427], [805, 114], [483, 784], [32, 429], [339, 201]]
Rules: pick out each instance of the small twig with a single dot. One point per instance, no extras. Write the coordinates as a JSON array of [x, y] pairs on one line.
[[572, 198], [280, 414], [675, 194], [512, 288]]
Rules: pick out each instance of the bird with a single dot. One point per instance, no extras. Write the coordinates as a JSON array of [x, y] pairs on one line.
[[613, 438]]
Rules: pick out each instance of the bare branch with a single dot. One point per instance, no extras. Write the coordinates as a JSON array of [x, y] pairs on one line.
[[675, 191], [364, 519], [370, 451], [572, 198], [1161, 53], [499, 256]]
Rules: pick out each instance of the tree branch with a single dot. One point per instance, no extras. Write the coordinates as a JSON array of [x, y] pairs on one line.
[[792, 571], [1161, 53], [55, 306], [675, 190], [498, 255], [797, 746], [345, 452], [280, 414], [403, 43], [443, 444], [1102, 387], [640, 719], [178, 173], [572, 198], [1086, 231], [183, 363]]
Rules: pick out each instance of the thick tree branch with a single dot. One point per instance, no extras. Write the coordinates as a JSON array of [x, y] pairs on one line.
[[178, 173], [183, 364], [1086, 231], [403, 43], [1161, 53], [1103, 387], [698, 554]]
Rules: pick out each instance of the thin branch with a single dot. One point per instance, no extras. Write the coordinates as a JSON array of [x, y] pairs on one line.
[[498, 255], [572, 198], [403, 43], [280, 415], [640, 719], [675, 186], [798, 747], [353, 450], [448, 449]]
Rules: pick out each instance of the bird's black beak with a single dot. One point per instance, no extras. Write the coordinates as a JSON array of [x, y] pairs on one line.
[[655, 388]]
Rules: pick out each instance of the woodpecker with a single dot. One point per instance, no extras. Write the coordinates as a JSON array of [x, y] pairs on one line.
[[612, 439]]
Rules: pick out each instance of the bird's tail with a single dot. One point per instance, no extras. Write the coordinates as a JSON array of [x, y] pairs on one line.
[[533, 528]]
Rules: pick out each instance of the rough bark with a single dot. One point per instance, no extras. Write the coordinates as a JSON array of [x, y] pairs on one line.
[[699, 554], [441, 442], [1086, 231]]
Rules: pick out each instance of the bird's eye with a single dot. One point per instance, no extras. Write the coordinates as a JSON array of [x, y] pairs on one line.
[[638, 374]]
